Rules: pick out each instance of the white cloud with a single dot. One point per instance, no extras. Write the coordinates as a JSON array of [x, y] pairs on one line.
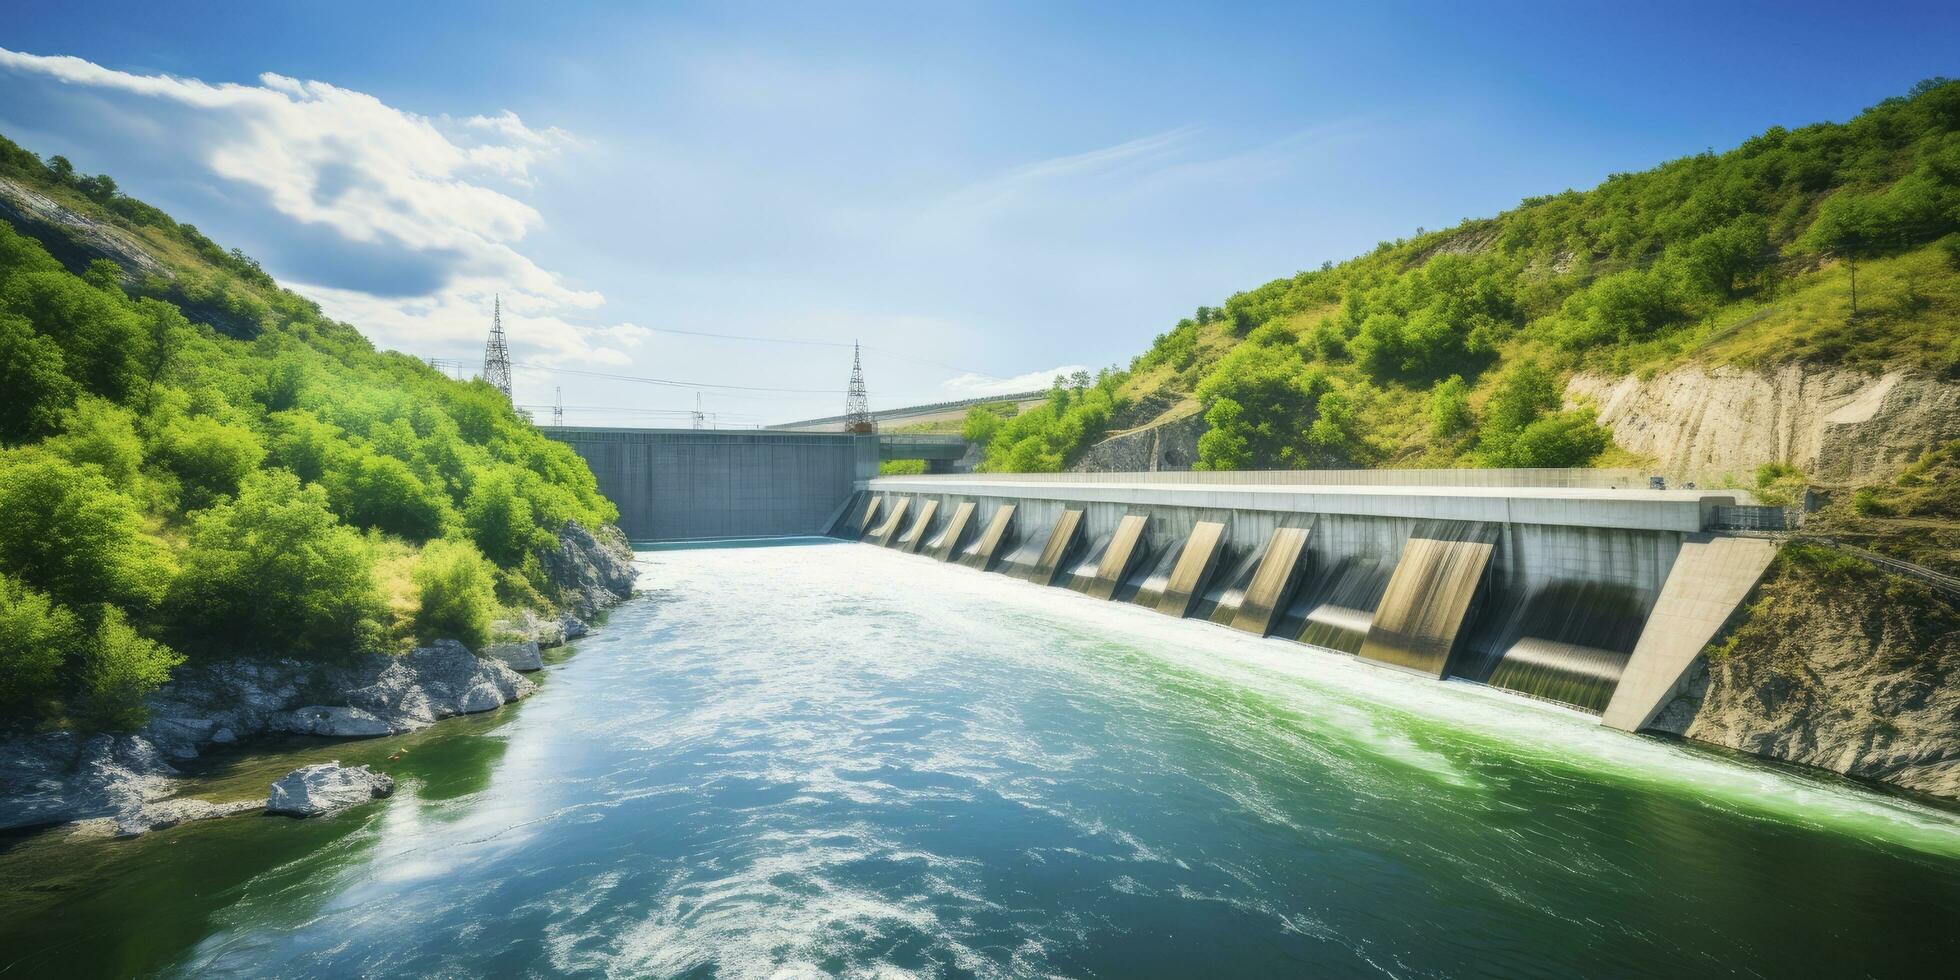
[[392, 187], [976, 386]]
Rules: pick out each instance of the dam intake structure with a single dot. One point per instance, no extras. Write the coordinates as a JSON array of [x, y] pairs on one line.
[[1597, 598]]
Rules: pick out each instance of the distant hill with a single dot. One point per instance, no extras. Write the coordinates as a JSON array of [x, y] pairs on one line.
[[1483, 344]]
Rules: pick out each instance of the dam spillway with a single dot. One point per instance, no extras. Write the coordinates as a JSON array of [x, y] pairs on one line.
[[1598, 598]]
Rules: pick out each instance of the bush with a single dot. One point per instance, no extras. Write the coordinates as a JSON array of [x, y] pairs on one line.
[[36, 639], [32, 374], [209, 458], [274, 571], [1449, 407], [66, 530], [499, 518], [118, 670], [456, 592]]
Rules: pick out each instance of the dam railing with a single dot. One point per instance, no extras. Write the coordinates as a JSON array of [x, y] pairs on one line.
[[1583, 479]]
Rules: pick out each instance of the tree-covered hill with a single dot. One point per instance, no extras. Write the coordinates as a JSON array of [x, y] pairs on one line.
[[1834, 243], [197, 463]]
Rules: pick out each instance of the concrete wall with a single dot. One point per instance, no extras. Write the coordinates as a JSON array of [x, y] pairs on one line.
[[1599, 557], [683, 484]]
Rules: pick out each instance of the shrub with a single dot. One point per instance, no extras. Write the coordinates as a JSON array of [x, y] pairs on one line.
[[118, 670], [32, 374], [209, 458], [1449, 407], [275, 571], [456, 592], [66, 530], [36, 638]]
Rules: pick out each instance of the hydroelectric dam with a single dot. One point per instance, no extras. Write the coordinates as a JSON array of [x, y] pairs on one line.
[[1588, 588]]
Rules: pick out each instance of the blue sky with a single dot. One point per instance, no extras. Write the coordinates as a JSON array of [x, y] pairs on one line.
[[978, 192]]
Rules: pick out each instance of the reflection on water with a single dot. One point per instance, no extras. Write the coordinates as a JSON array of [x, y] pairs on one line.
[[839, 760]]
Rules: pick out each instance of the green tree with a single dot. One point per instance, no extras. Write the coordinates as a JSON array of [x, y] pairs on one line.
[[66, 530], [456, 593], [274, 571], [498, 516], [209, 458], [119, 669], [37, 637], [1449, 407], [32, 374], [102, 434]]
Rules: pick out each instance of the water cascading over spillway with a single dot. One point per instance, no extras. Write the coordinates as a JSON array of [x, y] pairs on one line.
[[1273, 582], [1339, 606], [888, 532], [1080, 573], [1185, 580], [947, 543], [856, 520], [1430, 595], [1061, 547], [1567, 641], [1127, 548], [928, 506], [997, 538]]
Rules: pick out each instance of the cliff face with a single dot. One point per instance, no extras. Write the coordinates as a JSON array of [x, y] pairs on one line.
[[1838, 426], [1160, 446], [1840, 667]]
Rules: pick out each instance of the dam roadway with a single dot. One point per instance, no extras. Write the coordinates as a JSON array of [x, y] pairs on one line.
[[1587, 588]]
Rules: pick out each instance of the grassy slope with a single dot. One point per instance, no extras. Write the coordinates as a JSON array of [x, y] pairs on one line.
[[1794, 306]]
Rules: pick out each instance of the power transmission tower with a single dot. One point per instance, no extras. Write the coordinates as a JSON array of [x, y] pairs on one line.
[[557, 407], [700, 420], [496, 354], [857, 404]]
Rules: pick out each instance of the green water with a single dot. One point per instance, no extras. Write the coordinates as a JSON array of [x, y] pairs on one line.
[[841, 761]]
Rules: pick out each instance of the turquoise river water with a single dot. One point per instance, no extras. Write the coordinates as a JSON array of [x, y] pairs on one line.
[[832, 760]]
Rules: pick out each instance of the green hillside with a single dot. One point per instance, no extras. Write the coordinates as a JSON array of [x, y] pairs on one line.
[[1451, 348], [195, 462]]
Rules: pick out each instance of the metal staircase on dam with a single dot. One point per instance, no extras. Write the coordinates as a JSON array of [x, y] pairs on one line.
[[1599, 598]]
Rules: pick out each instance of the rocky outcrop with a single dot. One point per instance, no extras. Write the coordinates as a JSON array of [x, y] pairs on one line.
[[1851, 671], [1839, 426], [592, 571], [74, 238], [313, 790], [1160, 446], [330, 722], [522, 657], [63, 777]]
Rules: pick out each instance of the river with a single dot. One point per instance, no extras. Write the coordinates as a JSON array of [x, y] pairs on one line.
[[825, 759]]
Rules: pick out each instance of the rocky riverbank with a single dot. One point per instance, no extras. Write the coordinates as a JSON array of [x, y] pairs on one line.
[[127, 781], [1836, 666]]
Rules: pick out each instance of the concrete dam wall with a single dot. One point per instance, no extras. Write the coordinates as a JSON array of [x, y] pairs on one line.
[[693, 484], [1597, 599]]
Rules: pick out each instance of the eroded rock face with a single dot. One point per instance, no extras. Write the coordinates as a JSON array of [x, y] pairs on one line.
[[1838, 425], [313, 790], [1838, 675], [62, 776], [1168, 446]]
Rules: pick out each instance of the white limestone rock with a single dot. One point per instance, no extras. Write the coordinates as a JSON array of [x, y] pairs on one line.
[[313, 790]]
